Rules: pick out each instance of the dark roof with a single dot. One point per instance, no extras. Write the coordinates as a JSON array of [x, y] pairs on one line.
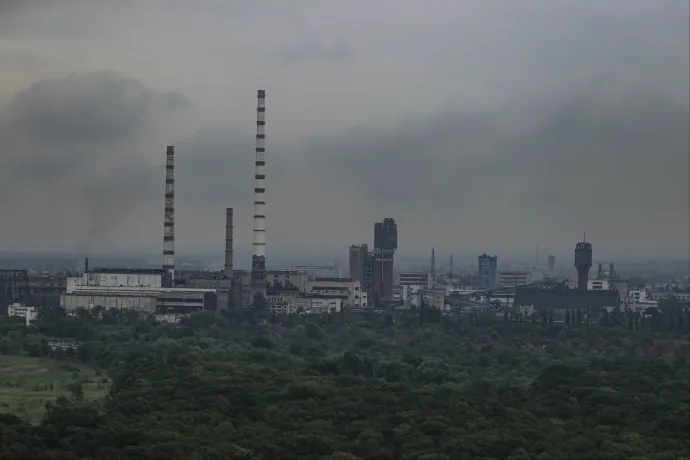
[[130, 271], [559, 296]]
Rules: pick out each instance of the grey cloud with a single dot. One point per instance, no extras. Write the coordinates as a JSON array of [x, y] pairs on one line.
[[83, 139], [314, 50], [593, 161], [485, 127], [103, 107]]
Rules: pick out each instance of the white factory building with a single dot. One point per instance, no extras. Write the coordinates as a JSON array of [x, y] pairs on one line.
[[289, 292], [143, 290]]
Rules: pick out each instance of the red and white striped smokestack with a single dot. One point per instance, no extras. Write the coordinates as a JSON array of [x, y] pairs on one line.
[[169, 217], [259, 240]]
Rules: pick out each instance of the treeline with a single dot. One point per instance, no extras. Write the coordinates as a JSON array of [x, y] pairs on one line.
[[334, 387]]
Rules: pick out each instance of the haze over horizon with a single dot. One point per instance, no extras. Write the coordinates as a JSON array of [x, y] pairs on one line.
[[482, 126]]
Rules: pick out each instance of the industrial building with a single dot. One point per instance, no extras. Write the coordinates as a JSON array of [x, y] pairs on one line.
[[143, 290], [559, 298], [413, 279], [513, 278], [348, 290], [285, 297], [488, 271], [14, 287], [29, 314]]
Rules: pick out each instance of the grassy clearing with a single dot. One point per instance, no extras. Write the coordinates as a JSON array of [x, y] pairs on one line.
[[27, 383]]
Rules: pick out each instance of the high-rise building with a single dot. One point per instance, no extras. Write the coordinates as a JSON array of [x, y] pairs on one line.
[[358, 255], [488, 271], [552, 266], [385, 244]]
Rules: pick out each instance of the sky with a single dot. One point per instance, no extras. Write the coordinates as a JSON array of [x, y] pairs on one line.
[[479, 126]]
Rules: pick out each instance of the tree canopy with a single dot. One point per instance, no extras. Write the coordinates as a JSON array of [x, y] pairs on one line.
[[337, 386]]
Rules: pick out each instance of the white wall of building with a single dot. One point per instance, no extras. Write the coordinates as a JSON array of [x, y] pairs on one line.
[[356, 298], [598, 285], [28, 313], [410, 293], [319, 304], [514, 278], [72, 302]]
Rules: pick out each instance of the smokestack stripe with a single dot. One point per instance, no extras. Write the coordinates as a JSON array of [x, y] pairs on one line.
[[259, 227], [169, 212]]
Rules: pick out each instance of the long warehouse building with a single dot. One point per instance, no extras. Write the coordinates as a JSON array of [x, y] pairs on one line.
[[134, 289]]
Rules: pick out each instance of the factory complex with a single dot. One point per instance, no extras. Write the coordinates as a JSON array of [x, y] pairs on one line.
[[372, 283], [169, 294]]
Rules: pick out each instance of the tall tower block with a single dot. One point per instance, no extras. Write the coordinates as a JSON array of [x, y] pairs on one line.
[[169, 215], [258, 274], [583, 262], [385, 244]]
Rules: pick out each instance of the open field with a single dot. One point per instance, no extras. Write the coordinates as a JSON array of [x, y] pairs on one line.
[[27, 383]]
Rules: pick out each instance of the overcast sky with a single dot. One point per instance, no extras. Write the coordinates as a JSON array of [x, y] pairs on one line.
[[490, 125]]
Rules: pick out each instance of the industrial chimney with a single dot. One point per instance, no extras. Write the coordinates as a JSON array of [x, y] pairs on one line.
[[169, 218], [228, 245], [583, 262], [258, 274]]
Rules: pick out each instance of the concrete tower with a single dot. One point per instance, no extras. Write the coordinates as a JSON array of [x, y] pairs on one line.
[[169, 216], [229, 254], [258, 274], [583, 262]]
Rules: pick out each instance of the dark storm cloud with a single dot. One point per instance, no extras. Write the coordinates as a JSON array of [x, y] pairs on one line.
[[491, 122], [99, 107], [584, 158], [82, 139]]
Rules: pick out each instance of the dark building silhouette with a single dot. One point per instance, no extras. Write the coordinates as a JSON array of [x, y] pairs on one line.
[[385, 244], [358, 254], [488, 271], [583, 262], [14, 287], [552, 266], [557, 296]]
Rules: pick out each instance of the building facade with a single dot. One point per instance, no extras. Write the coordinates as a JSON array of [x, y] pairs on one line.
[[488, 271], [29, 314], [514, 278]]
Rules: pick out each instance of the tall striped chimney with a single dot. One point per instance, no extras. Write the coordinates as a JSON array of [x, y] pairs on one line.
[[169, 219], [228, 244], [258, 274]]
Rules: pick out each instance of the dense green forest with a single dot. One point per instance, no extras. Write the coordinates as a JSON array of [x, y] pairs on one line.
[[242, 386]]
